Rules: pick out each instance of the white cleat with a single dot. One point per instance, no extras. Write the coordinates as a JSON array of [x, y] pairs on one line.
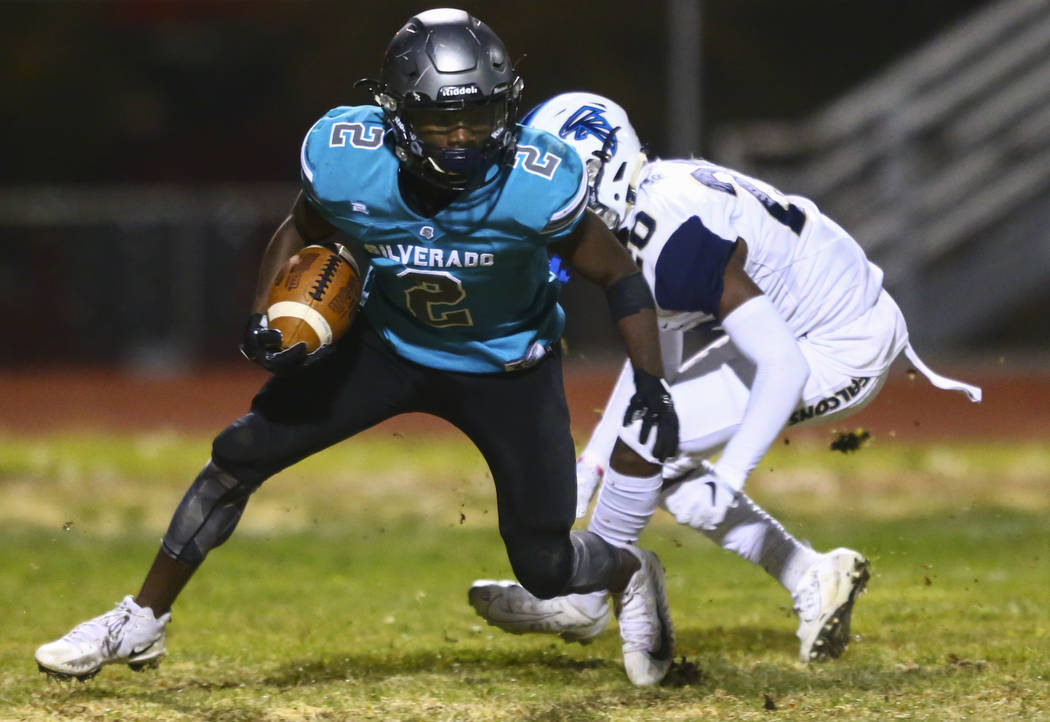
[[824, 602], [645, 622], [129, 634], [509, 606]]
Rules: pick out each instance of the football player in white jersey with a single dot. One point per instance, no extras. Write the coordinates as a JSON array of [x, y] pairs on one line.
[[809, 335]]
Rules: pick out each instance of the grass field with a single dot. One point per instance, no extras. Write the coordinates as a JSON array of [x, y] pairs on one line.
[[343, 594]]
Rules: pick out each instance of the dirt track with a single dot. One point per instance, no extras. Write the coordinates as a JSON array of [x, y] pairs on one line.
[[1016, 405]]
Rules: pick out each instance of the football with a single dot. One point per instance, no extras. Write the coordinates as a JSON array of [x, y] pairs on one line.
[[315, 296]]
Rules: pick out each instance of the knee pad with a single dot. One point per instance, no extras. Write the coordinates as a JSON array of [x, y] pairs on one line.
[[241, 446], [207, 515]]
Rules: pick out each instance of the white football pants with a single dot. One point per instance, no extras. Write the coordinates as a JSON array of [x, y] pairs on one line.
[[711, 392]]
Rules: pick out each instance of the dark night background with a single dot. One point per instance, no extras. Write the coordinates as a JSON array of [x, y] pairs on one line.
[[197, 94], [200, 91]]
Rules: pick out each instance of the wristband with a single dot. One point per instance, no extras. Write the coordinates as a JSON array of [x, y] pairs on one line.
[[628, 296]]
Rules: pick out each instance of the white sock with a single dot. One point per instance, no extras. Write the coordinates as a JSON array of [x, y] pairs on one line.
[[756, 536], [625, 505]]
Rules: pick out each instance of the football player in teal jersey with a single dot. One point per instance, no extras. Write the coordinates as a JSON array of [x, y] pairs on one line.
[[458, 211]]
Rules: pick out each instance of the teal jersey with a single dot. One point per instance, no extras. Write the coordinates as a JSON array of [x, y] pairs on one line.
[[469, 289]]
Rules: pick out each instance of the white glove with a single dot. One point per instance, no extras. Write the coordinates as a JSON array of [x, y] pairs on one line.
[[588, 477], [702, 501], [681, 467]]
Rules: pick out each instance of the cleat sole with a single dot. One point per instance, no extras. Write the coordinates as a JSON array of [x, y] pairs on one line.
[[65, 676], [142, 666], [573, 639], [834, 636]]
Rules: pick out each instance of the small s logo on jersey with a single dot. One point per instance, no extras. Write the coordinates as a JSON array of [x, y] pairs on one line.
[[589, 120], [427, 232], [359, 207]]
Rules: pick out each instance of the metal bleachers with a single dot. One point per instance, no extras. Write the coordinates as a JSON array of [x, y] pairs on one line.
[[939, 166]]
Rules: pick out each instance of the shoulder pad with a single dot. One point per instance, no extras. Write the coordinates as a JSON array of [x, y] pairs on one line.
[[344, 159], [347, 127], [551, 175]]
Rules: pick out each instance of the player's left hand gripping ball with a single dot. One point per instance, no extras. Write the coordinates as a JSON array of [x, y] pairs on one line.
[[312, 302], [652, 404], [262, 345]]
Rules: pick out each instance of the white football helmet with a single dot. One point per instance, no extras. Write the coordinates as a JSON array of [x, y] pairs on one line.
[[599, 131]]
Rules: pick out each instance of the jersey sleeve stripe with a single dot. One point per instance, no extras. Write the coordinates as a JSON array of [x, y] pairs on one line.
[[565, 217], [303, 161]]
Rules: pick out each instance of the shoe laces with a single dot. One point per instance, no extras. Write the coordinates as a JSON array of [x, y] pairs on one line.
[[110, 624], [807, 596]]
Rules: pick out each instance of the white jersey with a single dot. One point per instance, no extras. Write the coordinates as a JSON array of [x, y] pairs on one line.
[[684, 225]]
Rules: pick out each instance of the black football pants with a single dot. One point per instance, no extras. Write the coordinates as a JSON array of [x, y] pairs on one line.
[[519, 421]]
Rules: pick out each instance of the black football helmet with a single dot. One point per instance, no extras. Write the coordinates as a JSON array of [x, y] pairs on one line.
[[446, 69]]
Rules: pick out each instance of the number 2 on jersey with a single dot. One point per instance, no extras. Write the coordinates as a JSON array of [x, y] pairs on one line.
[[433, 290]]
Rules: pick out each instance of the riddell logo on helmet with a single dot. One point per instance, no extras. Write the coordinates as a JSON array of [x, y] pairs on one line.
[[458, 91]]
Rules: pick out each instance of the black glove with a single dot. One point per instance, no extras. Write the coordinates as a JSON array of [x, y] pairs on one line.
[[652, 404], [262, 345]]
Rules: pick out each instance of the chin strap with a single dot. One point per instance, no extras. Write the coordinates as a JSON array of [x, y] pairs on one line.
[[640, 161]]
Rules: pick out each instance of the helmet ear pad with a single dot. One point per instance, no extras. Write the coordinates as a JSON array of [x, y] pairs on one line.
[[446, 60]]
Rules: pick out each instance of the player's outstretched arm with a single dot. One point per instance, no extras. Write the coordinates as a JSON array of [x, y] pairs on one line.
[[594, 253], [756, 328]]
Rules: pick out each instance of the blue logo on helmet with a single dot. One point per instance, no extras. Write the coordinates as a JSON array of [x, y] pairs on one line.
[[589, 120]]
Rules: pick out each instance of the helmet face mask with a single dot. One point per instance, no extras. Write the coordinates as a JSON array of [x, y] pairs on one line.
[[598, 164], [449, 93], [600, 133], [457, 144]]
